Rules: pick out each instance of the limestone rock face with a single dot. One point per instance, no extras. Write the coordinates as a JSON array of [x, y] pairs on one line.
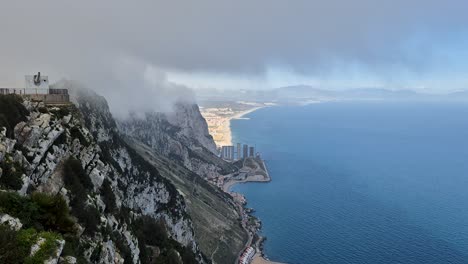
[[179, 141], [86, 131], [181, 135], [54, 259], [67, 260], [192, 125], [35, 248], [110, 254], [13, 222], [137, 187]]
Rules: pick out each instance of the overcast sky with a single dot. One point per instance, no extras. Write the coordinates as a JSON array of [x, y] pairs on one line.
[[248, 44]]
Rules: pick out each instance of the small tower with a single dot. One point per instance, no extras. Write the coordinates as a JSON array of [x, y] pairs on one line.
[[36, 84]]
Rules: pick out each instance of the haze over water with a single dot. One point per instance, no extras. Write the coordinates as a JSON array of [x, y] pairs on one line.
[[362, 182]]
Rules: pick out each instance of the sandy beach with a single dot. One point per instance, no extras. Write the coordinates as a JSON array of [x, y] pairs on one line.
[[219, 120], [258, 259], [243, 113], [227, 126]]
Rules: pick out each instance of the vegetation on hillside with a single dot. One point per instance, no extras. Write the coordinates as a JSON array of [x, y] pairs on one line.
[[11, 174], [43, 216], [12, 111], [159, 239], [15, 246], [79, 184], [40, 211]]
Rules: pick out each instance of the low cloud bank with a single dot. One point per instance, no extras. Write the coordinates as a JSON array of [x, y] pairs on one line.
[[133, 86]]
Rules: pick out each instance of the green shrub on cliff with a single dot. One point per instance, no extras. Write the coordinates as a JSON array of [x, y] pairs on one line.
[[40, 211], [79, 184], [47, 248], [75, 178], [12, 111], [159, 238], [53, 212], [11, 174], [15, 246]]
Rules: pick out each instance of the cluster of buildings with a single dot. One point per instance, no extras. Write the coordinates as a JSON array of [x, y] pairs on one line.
[[37, 88], [247, 256], [232, 153]]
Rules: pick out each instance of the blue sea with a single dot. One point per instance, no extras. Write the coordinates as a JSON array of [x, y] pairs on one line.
[[361, 182]]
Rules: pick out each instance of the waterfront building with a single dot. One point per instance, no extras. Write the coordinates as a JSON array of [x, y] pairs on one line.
[[238, 151], [223, 151], [231, 152], [245, 151], [247, 256], [251, 152], [227, 152]]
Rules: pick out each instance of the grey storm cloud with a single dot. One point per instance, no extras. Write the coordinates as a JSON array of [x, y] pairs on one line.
[[219, 35], [87, 40]]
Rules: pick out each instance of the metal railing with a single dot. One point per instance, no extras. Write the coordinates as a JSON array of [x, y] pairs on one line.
[[21, 91]]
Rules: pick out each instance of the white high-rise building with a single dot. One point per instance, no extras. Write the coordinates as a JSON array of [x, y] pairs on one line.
[[227, 152]]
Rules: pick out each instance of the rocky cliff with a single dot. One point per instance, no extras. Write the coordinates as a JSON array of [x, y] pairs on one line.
[[74, 191], [178, 143], [192, 125], [214, 214], [181, 135]]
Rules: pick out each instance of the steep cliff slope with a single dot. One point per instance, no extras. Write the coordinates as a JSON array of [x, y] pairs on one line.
[[188, 118], [121, 208], [181, 135], [176, 143], [215, 218]]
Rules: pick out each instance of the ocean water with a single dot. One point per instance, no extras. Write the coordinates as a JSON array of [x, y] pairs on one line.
[[362, 182]]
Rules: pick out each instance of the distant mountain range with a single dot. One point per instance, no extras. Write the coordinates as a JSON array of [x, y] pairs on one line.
[[305, 93]]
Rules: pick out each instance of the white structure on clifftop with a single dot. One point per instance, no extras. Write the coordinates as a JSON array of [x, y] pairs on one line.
[[36, 88], [36, 84]]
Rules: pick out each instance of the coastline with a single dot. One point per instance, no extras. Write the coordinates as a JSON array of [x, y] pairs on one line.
[[239, 115], [253, 170], [246, 213], [254, 178], [219, 119], [243, 113], [259, 257]]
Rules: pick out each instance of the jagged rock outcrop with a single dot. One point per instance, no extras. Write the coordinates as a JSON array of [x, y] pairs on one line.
[[223, 238], [188, 118], [123, 195], [13, 222], [181, 135]]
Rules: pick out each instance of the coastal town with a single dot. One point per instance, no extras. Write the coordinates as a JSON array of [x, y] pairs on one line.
[[252, 168]]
